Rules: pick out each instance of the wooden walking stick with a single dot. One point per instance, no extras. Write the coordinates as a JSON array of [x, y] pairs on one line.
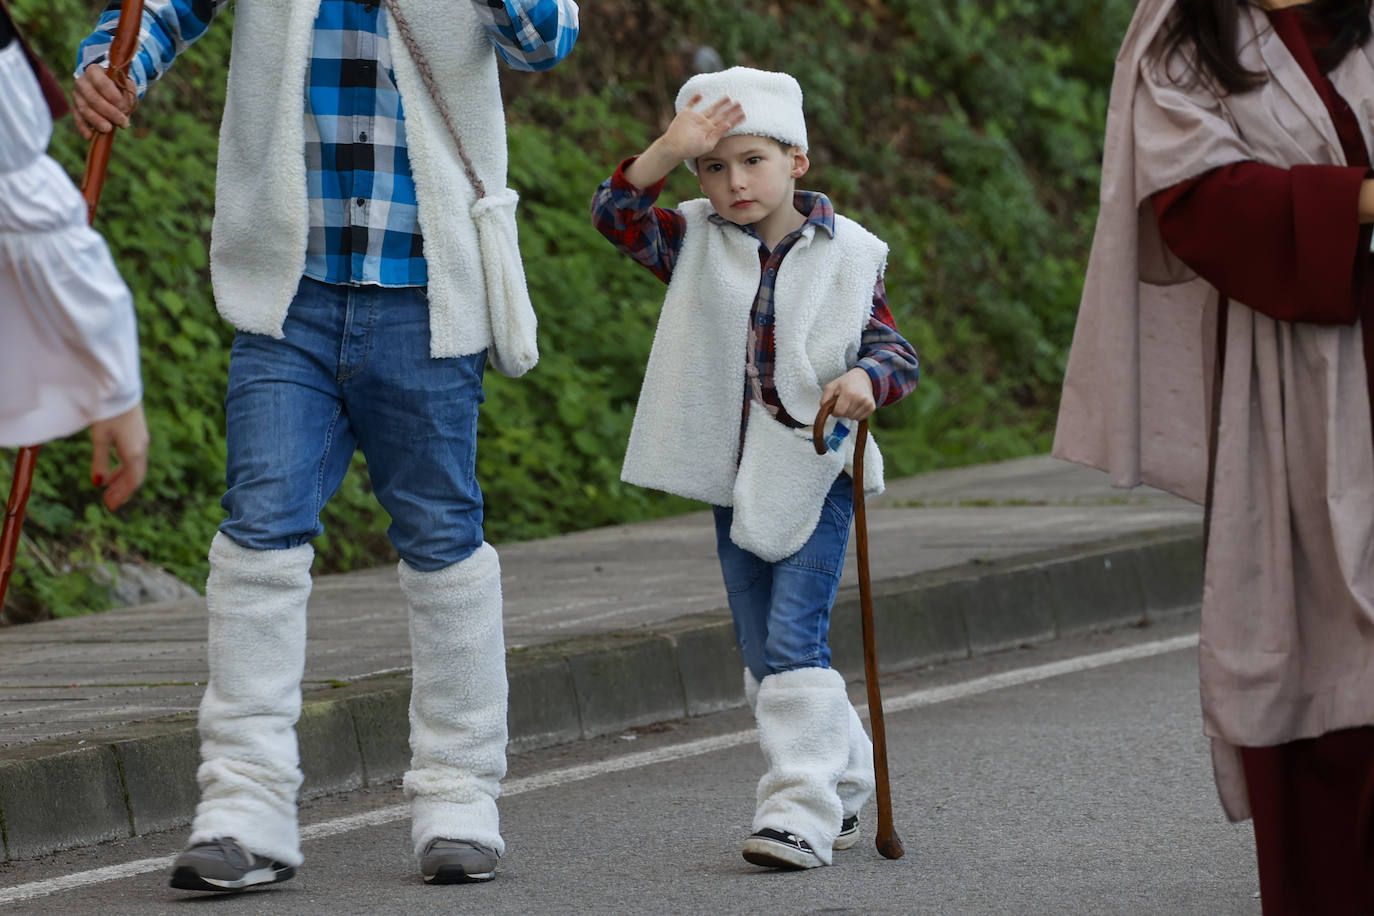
[[14, 514], [122, 51], [888, 843]]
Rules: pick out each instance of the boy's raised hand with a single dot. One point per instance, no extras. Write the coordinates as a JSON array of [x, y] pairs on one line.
[[693, 133]]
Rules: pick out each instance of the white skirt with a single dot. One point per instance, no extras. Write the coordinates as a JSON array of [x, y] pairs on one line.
[[68, 337]]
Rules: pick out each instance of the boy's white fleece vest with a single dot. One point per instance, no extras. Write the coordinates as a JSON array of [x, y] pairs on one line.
[[685, 437], [257, 251]]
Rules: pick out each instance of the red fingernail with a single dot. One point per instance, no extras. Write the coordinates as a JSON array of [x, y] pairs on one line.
[[97, 479]]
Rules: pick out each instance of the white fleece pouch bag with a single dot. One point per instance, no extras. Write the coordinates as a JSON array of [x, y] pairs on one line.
[[514, 347], [780, 487], [514, 344]]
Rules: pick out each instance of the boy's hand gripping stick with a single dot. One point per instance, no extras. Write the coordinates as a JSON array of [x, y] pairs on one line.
[[887, 841]]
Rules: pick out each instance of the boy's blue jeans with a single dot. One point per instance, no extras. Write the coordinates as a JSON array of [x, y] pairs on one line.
[[354, 370], [782, 610]]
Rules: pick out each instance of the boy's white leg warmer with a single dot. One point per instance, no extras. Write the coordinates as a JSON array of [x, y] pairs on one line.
[[856, 783], [751, 689], [803, 726], [457, 701], [251, 766]]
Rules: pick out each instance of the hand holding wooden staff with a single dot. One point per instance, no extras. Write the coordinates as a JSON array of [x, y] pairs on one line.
[[888, 843]]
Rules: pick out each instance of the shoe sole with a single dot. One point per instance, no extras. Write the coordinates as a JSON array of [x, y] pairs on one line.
[[186, 878], [847, 840], [775, 855], [453, 874]]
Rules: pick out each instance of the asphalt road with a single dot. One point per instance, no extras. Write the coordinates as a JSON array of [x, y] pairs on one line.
[[1058, 780]]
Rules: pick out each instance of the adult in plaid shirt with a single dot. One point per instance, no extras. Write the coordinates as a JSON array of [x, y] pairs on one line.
[[353, 277]]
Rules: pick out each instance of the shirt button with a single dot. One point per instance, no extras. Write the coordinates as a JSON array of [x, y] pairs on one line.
[[771, 272], [363, 136], [362, 201]]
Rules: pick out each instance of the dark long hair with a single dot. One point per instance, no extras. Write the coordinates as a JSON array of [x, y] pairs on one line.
[[1204, 32]]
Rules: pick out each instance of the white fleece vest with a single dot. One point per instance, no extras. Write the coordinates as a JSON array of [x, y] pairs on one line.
[[257, 250], [685, 436]]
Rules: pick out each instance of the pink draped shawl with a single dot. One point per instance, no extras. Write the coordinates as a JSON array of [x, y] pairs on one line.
[[1287, 642]]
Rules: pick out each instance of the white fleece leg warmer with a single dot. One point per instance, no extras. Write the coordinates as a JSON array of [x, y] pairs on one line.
[[856, 783], [803, 718], [751, 690], [457, 701], [251, 769]]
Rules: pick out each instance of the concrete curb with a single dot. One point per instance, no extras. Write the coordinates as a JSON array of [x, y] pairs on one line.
[[139, 779]]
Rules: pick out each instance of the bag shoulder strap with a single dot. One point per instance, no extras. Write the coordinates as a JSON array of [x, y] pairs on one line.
[[408, 38]]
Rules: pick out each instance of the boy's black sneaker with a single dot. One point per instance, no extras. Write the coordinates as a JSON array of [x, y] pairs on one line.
[[222, 864], [849, 832], [776, 849]]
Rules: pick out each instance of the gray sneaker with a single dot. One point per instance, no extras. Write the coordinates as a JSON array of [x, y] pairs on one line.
[[457, 862], [222, 864]]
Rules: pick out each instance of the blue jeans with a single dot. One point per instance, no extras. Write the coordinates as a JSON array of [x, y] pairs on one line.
[[782, 609], [354, 370]]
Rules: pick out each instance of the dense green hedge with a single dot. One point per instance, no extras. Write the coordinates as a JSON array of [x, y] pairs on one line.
[[966, 133]]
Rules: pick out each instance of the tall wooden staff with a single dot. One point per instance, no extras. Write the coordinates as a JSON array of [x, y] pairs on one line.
[[97, 160], [888, 843]]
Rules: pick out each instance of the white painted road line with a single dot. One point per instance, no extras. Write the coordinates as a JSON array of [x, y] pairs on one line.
[[930, 696], [933, 695]]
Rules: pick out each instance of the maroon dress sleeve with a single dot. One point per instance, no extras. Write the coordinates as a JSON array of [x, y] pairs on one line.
[[1285, 242]]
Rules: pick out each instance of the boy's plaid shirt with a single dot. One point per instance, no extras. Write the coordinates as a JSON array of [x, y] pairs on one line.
[[363, 217], [652, 236]]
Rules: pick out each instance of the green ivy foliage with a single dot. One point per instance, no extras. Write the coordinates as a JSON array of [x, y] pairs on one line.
[[967, 134]]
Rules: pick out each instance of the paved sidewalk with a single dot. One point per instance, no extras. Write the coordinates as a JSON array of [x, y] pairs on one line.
[[607, 630]]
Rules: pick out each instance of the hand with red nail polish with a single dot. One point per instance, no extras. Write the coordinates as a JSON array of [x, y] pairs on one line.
[[127, 437]]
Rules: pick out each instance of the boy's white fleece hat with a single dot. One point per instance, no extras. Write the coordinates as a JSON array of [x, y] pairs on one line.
[[772, 103]]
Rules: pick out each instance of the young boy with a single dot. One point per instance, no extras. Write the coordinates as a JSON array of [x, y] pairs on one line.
[[775, 305]]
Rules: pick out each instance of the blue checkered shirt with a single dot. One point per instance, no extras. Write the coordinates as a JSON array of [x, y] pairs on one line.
[[363, 216]]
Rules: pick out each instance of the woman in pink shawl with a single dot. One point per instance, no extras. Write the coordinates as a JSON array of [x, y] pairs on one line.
[[1223, 352]]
